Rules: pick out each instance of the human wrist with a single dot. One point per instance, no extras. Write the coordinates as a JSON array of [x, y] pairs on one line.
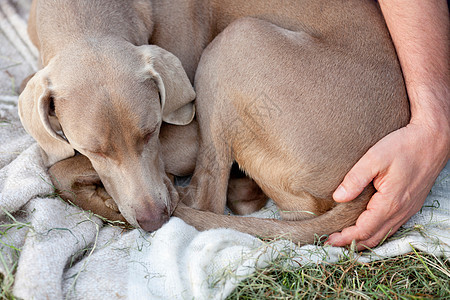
[[430, 109], [430, 105]]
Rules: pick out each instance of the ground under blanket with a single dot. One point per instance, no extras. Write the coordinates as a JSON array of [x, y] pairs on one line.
[[52, 250]]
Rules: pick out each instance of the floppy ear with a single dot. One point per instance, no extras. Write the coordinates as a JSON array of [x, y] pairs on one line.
[[177, 94], [36, 111]]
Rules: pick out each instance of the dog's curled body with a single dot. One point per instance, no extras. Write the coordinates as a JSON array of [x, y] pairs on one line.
[[296, 114], [295, 91]]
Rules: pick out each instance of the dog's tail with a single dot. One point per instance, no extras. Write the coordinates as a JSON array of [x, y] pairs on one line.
[[302, 232]]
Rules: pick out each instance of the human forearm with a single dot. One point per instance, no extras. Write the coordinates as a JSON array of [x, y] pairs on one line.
[[420, 31]]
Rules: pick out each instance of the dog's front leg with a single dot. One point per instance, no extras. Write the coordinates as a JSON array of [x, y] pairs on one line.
[[76, 181]]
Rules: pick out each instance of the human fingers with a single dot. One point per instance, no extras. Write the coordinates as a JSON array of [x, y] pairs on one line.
[[359, 176]]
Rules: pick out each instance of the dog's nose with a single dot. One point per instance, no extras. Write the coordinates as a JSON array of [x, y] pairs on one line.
[[151, 220]]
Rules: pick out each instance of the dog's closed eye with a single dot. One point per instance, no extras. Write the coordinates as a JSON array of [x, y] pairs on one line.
[[147, 137], [146, 134], [99, 154]]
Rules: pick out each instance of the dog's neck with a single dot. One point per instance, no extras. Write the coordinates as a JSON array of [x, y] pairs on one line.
[[184, 28]]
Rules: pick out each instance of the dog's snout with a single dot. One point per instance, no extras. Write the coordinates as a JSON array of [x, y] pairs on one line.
[[152, 218]]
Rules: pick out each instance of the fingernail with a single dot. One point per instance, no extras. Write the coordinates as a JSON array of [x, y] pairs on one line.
[[340, 193], [331, 241]]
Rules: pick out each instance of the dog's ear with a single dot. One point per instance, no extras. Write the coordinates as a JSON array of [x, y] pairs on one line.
[[176, 92], [37, 113]]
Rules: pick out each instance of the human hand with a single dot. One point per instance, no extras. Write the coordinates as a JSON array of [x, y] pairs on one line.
[[403, 166]]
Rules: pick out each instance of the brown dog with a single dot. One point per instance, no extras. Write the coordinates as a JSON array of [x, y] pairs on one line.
[[328, 66]]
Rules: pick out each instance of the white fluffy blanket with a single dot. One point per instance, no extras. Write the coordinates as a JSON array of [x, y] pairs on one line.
[[53, 250]]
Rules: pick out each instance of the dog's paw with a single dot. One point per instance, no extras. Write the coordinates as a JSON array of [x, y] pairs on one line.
[[110, 203], [244, 196], [76, 181], [94, 198], [101, 203]]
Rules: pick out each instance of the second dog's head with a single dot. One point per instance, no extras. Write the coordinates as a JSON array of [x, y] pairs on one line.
[[109, 107]]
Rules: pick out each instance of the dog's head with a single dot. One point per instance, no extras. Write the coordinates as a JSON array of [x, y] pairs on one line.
[[109, 107]]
